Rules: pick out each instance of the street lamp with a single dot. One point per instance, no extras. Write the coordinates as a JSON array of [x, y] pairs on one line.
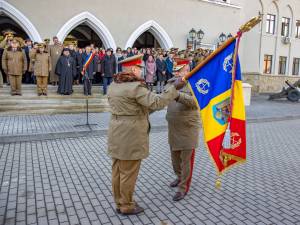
[[192, 34], [222, 37], [200, 34], [229, 36], [195, 38]]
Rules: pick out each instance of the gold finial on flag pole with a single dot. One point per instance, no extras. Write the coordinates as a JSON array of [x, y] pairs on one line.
[[251, 23]]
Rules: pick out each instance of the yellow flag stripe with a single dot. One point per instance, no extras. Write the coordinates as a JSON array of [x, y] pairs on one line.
[[238, 111], [211, 126]]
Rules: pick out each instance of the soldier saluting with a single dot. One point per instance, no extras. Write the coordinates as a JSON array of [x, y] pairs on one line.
[[128, 135], [183, 134]]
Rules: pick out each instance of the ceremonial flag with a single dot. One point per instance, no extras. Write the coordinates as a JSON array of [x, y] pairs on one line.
[[217, 88]]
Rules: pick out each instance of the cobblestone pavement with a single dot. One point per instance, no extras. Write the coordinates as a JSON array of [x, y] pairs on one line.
[[261, 109], [67, 181]]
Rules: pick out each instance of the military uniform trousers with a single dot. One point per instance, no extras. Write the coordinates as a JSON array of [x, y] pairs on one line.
[[15, 84], [183, 164], [124, 176], [42, 84]]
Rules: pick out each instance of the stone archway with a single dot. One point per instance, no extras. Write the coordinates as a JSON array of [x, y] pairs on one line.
[[93, 22], [156, 30], [21, 20]]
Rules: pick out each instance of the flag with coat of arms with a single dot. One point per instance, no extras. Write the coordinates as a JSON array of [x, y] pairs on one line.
[[217, 87]]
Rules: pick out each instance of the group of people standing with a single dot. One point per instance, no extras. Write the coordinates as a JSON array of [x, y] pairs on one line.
[[65, 65]]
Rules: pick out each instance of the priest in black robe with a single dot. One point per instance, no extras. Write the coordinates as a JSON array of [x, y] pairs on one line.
[[66, 71]]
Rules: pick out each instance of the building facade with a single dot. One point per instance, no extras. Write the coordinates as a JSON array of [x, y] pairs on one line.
[[270, 53]]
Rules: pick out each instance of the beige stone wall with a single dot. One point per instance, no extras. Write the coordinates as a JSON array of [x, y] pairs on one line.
[[263, 83], [123, 17]]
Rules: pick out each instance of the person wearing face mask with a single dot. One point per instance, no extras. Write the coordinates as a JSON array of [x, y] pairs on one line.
[[41, 66], [14, 64], [183, 133]]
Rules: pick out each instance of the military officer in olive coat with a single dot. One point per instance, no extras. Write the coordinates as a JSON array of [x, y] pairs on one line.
[[55, 51], [128, 135], [14, 64], [183, 134], [40, 64]]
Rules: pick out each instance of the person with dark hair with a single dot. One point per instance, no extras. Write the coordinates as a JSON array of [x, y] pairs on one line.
[[88, 69], [66, 71], [192, 62], [55, 52], [14, 64], [161, 73], [109, 67], [146, 55], [135, 51], [118, 57], [4, 44], [124, 56], [129, 52], [79, 53], [170, 64], [150, 72], [28, 75], [41, 65]]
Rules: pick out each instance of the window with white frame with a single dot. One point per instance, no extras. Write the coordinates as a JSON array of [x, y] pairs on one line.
[[285, 26], [268, 61], [296, 66], [282, 65], [270, 24], [298, 29]]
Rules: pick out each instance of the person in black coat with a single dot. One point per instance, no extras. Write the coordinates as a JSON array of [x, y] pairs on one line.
[[28, 75], [73, 54], [161, 68], [124, 56], [192, 62], [108, 69], [66, 71], [89, 72], [79, 65]]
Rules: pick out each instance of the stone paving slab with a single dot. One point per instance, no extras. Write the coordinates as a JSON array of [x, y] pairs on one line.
[[260, 110], [67, 181]]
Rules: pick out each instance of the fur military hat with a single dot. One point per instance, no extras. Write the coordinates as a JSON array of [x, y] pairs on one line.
[[41, 45], [136, 60], [179, 64], [8, 33]]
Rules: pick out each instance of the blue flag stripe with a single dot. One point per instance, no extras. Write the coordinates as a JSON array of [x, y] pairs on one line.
[[215, 77]]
